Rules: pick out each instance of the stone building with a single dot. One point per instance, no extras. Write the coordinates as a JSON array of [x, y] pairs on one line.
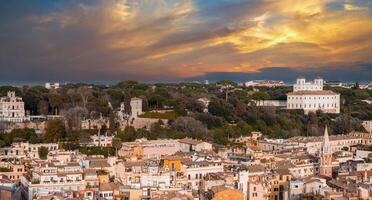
[[12, 108], [326, 156]]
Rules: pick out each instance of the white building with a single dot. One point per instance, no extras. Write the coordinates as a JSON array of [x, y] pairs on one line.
[[25, 149], [136, 108], [12, 108], [313, 145], [189, 145], [100, 141], [310, 97], [311, 185], [270, 103], [368, 126], [195, 171], [302, 85], [162, 180], [264, 83], [51, 86], [53, 177]]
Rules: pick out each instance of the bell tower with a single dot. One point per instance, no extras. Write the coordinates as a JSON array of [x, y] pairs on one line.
[[326, 156]]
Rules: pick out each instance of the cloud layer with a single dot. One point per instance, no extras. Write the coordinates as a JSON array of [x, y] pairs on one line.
[[173, 40]]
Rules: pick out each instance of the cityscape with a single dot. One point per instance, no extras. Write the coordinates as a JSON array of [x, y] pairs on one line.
[[186, 100]]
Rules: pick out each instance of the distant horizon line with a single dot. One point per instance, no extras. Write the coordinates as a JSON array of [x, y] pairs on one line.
[[113, 82]]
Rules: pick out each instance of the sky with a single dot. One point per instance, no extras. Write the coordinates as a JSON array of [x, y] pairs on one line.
[[173, 40]]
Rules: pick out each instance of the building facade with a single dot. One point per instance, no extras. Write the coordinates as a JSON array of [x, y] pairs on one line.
[[368, 126], [310, 97], [12, 108], [136, 109], [326, 156]]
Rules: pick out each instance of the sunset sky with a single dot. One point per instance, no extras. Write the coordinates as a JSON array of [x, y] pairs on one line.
[[170, 40]]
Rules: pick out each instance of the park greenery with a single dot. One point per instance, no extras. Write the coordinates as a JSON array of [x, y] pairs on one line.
[[231, 112]]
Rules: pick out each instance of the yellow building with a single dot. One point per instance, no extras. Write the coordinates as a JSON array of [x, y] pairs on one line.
[[229, 194], [102, 176], [278, 184], [137, 151], [172, 163]]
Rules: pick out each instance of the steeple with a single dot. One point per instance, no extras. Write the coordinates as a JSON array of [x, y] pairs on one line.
[[326, 156], [326, 146]]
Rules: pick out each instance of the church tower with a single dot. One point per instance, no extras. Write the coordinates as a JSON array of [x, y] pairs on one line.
[[326, 156]]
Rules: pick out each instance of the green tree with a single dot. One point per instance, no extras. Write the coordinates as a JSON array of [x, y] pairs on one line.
[[116, 143], [127, 84], [222, 109], [192, 127], [227, 82], [260, 96], [43, 153], [55, 101], [210, 120]]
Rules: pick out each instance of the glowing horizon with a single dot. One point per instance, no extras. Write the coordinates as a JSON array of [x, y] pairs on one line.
[[170, 39]]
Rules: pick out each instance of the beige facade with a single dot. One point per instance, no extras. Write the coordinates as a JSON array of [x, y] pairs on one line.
[[310, 97], [12, 108], [368, 126]]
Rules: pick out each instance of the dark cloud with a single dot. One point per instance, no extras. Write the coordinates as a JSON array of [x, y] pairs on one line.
[[351, 72]]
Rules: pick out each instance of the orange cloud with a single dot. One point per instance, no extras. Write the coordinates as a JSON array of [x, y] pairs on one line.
[[163, 38]]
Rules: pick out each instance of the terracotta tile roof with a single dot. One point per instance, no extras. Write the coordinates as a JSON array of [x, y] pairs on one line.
[[90, 172], [284, 164], [255, 168], [5, 179], [321, 92], [283, 171], [108, 187], [99, 163]]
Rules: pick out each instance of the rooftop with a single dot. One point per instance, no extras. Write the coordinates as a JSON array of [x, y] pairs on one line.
[[314, 92], [190, 141]]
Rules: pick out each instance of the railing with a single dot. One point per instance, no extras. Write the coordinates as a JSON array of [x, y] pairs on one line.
[[57, 182]]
